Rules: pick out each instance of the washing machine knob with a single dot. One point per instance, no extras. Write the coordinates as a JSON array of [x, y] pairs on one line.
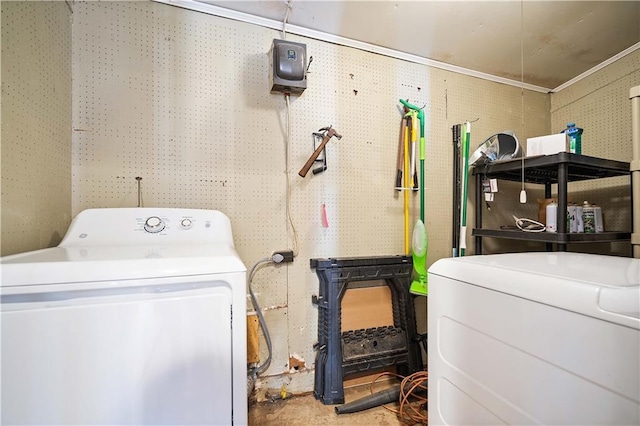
[[186, 223], [153, 224]]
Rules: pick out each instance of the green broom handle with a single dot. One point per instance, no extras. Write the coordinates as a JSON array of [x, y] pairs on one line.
[[465, 171]]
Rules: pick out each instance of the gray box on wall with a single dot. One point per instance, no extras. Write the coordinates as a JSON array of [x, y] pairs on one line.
[[287, 70]]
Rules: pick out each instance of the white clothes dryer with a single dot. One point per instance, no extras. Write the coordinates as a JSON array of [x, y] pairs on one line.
[[534, 338], [137, 317]]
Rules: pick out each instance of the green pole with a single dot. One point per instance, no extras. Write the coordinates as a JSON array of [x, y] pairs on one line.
[[466, 136]]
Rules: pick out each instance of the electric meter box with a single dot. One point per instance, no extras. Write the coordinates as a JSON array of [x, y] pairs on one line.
[[287, 70]]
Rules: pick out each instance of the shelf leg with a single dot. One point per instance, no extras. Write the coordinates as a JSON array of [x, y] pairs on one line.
[[547, 194], [563, 175], [479, 207], [635, 249]]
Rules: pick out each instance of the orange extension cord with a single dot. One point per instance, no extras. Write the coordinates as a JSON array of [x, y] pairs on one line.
[[413, 407]]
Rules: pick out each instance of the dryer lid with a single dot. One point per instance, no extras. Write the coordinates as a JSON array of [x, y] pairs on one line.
[[605, 287]]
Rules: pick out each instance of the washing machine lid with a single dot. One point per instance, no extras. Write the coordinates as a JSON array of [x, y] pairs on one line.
[[62, 265], [605, 287]]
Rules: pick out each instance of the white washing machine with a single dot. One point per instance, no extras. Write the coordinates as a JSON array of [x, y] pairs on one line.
[[534, 338], [138, 317]]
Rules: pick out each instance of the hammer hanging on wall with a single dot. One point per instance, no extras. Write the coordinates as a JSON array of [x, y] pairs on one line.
[[330, 133]]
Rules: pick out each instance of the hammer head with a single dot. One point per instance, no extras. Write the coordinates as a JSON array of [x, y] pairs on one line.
[[331, 132]]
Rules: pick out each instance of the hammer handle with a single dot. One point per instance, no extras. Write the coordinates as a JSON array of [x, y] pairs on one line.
[[305, 169]]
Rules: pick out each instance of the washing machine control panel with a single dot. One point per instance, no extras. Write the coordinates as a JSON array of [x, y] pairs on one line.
[[148, 225]]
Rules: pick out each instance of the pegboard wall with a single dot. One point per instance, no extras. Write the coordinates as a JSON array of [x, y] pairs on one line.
[[36, 113], [600, 105], [181, 99]]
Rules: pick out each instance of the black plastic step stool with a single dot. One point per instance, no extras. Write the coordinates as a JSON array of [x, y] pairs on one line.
[[340, 355]]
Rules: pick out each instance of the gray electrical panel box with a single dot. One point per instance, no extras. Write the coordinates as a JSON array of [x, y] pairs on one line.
[[287, 70]]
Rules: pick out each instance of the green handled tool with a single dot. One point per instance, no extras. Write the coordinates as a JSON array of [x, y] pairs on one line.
[[466, 138]]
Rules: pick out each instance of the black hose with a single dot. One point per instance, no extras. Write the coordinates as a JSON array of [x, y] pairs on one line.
[[379, 398]]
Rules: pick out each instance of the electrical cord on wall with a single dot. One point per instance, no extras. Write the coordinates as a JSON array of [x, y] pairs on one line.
[[286, 18], [287, 97], [288, 171], [523, 193]]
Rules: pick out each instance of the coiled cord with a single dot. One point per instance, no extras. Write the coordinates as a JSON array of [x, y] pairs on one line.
[[413, 405]]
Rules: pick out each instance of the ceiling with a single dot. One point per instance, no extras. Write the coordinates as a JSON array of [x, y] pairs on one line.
[[560, 39]]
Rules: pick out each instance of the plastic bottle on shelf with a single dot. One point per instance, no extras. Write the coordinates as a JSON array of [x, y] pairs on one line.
[[572, 221], [552, 217], [580, 225], [575, 138], [588, 218], [597, 218]]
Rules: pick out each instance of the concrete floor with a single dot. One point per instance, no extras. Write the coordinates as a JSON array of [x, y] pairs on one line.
[[307, 411]]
